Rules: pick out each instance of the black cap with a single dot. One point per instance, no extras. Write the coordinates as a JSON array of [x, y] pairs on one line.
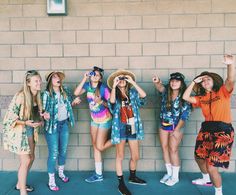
[[95, 68], [177, 76]]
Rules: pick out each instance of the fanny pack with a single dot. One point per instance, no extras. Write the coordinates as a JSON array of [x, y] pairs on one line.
[[168, 126]]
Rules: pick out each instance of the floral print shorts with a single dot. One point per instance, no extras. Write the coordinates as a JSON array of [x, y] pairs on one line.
[[214, 143]]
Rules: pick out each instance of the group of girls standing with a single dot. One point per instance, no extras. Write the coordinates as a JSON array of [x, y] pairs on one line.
[[116, 106]]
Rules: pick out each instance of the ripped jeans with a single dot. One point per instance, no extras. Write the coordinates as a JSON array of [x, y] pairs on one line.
[[57, 145]]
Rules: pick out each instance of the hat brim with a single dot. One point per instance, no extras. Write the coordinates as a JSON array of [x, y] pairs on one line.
[[111, 78], [50, 74], [217, 80]]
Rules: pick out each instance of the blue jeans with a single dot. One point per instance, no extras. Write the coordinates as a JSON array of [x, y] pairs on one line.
[[57, 145]]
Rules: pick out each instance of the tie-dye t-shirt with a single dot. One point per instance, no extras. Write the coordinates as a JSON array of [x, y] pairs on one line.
[[99, 113]]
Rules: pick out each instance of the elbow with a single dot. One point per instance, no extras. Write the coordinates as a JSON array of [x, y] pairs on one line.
[[143, 95]]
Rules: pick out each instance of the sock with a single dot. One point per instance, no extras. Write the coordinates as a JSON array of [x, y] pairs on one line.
[[218, 191], [169, 169], [175, 172], [206, 177], [51, 181], [120, 179], [61, 171], [132, 173], [98, 168]]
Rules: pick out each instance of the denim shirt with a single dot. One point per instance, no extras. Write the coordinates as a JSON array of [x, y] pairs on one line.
[[176, 113], [136, 102], [50, 105]]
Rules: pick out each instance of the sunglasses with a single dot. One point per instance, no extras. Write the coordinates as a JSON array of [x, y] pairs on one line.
[[95, 68], [177, 76], [31, 72]]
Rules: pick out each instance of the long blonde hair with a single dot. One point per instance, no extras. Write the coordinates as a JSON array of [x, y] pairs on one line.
[[28, 97]]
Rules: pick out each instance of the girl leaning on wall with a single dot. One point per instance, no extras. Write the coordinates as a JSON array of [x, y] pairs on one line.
[[21, 124], [57, 104], [174, 113], [125, 101]]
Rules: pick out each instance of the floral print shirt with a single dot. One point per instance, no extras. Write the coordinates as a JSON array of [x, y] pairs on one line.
[[136, 102], [50, 105], [176, 113], [14, 136]]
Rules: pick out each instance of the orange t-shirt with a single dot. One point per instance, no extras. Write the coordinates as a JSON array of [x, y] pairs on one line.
[[219, 102]]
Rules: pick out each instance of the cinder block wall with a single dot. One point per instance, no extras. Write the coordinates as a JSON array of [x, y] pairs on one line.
[[146, 36]]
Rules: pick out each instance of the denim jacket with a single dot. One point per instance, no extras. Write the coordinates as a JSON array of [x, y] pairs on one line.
[[136, 102], [50, 105]]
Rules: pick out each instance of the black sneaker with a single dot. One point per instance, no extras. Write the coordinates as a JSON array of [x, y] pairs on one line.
[[137, 181], [123, 189]]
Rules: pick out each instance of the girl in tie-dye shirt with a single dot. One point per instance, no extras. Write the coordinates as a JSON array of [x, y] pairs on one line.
[[97, 96]]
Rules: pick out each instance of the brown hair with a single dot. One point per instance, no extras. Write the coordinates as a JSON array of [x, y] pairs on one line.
[[49, 88], [217, 83], [170, 93]]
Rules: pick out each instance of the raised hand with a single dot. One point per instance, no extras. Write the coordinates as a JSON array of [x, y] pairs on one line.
[[199, 79], [129, 79], [156, 79], [115, 81], [228, 59], [86, 75]]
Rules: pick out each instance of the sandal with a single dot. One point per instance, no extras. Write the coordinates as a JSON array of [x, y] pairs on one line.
[[53, 188], [28, 188], [64, 179]]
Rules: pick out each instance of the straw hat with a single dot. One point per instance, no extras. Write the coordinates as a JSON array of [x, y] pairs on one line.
[[50, 74], [117, 73], [217, 82]]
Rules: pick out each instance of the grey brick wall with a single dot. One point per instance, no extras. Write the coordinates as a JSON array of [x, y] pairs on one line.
[[148, 37]]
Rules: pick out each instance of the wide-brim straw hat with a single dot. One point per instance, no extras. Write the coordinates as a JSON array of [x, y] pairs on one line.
[[111, 78], [217, 81], [49, 75]]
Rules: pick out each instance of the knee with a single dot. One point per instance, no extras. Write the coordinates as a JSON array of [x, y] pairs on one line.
[[119, 157], [165, 148], [135, 158], [211, 169], [99, 147], [173, 150]]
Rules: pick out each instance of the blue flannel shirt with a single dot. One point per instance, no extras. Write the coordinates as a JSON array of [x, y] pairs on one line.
[[136, 102], [50, 105]]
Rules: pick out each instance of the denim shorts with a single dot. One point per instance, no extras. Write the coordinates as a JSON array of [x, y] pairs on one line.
[[123, 135], [29, 131], [106, 125]]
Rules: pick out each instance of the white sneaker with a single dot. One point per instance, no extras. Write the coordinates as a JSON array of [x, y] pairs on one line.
[[171, 182], [202, 182], [165, 178]]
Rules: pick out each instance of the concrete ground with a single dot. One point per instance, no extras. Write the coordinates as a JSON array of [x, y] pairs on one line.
[[77, 185]]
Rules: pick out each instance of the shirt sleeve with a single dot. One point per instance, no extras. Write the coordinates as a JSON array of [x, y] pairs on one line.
[[197, 104], [13, 112], [86, 86], [45, 100], [225, 92], [139, 100], [186, 111]]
